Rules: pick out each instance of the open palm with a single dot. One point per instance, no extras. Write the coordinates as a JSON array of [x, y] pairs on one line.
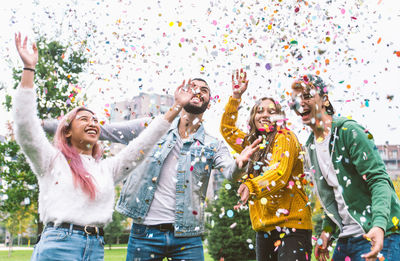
[[183, 94], [29, 59], [239, 86]]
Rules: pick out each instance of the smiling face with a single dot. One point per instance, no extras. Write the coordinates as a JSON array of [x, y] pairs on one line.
[[263, 114], [201, 98], [84, 131], [308, 104]]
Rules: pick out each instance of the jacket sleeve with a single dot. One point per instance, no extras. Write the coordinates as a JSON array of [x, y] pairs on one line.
[[232, 135], [226, 164], [132, 155], [29, 132], [119, 132], [125, 131], [368, 163], [285, 152]]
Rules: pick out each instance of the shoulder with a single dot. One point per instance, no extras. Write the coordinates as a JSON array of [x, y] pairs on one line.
[[212, 141], [286, 134]]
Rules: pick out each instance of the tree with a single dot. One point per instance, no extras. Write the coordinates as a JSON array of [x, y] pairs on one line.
[[229, 232], [56, 79], [115, 228]]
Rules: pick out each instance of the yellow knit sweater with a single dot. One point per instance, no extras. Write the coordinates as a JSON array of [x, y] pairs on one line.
[[279, 198]]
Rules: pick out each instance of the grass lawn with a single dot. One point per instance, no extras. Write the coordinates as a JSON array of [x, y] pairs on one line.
[[110, 255]]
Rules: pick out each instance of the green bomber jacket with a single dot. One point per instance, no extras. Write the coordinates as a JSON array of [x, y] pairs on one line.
[[367, 189]]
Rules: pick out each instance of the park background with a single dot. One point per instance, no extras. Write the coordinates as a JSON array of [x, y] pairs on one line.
[[132, 49]]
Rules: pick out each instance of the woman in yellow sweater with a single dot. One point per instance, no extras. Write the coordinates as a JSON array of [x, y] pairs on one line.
[[274, 182]]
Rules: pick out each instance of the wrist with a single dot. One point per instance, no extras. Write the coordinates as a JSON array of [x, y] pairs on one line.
[[177, 106], [28, 65], [237, 96]]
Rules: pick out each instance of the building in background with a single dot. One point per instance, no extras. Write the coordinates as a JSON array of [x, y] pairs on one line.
[[391, 156], [143, 105]]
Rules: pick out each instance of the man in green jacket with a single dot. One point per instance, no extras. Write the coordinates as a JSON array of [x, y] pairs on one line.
[[358, 197]]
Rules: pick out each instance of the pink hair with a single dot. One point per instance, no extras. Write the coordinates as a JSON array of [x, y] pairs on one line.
[[80, 175]]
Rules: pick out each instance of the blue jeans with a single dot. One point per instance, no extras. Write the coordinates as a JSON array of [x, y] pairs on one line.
[[67, 244], [147, 243], [354, 247]]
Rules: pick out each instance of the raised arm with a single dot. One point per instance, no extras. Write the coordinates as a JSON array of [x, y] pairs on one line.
[[119, 132], [125, 161], [28, 132], [232, 134]]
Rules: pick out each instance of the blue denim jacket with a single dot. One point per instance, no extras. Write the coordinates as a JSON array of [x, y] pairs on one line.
[[199, 155]]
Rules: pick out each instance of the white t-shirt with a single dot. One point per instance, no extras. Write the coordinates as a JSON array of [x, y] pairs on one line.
[[162, 208], [350, 227]]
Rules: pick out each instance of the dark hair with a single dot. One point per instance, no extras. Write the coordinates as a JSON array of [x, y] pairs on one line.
[[202, 80], [310, 81]]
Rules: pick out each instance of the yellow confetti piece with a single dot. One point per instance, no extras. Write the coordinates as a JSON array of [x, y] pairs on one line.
[[179, 24], [282, 235], [395, 221], [171, 23], [263, 201], [269, 27]]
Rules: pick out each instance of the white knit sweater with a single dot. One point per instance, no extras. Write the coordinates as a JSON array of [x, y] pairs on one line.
[[59, 199]]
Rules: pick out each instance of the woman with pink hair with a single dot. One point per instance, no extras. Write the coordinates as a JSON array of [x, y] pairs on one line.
[[76, 197]]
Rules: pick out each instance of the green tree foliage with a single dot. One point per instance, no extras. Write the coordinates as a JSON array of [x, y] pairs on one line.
[[56, 81], [114, 230], [56, 78], [229, 237]]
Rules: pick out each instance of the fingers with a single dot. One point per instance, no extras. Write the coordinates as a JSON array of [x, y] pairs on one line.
[[25, 42], [180, 87], [240, 189], [373, 254]]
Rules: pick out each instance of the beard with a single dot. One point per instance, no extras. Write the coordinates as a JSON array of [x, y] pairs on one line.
[[195, 109]]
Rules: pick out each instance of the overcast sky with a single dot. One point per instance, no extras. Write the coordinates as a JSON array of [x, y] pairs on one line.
[[152, 46]]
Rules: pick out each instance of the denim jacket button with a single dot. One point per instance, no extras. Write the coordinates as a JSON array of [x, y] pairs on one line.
[[154, 179]]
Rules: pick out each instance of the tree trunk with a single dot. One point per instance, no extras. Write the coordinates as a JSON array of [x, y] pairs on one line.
[[10, 245]]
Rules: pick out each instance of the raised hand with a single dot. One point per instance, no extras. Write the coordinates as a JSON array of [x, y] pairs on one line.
[[246, 154], [29, 59], [239, 86], [184, 93]]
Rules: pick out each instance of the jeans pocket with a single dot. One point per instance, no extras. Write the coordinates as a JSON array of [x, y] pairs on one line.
[[54, 234], [138, 230]]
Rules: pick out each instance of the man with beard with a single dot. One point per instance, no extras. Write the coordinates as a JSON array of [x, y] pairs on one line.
[[165, 194]]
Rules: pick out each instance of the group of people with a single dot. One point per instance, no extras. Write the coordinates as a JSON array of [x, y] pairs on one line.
[[167, 164]]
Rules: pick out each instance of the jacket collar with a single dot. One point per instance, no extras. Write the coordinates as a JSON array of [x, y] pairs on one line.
[[336, 122], [198, 135]]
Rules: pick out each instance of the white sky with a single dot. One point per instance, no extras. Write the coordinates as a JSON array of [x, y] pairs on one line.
[[133, 46]]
